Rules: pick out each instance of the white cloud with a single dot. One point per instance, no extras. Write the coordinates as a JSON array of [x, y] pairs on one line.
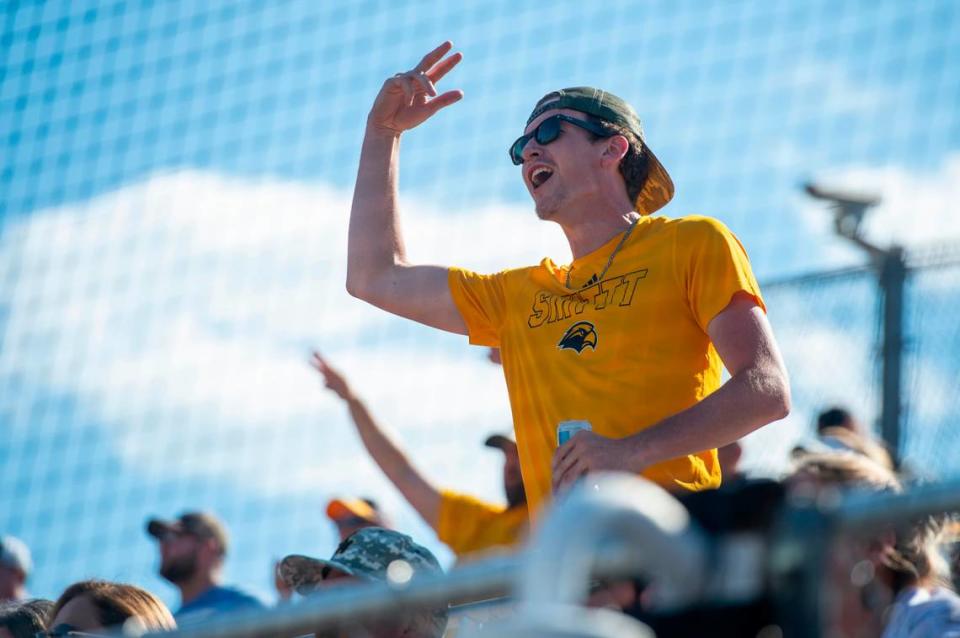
[[917, 207], [191, 300], [188, 303]]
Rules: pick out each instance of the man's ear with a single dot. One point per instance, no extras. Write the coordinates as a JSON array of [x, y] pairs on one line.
[[212, 548], [615, 149]]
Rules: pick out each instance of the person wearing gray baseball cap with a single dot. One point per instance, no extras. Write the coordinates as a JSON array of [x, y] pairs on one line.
[[372, 554], [193, 548], [629, 339], [15, 567]]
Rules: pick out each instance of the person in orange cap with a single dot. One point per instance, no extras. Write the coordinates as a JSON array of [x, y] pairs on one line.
[[353, 514]]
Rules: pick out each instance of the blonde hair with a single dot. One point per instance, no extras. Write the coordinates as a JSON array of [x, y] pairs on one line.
[[915, 554], [859, 443], [116, 603], [846, 470]]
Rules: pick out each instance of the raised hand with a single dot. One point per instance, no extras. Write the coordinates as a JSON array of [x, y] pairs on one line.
[[331, 377], [408, 99]]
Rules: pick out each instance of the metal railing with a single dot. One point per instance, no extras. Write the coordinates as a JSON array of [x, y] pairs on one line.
[[799, 552], [615, 526]]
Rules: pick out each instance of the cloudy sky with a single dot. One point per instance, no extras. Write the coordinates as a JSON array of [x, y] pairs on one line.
[[174, 194]]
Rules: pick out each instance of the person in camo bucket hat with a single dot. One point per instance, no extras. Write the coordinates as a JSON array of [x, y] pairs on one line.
[[372, 554]]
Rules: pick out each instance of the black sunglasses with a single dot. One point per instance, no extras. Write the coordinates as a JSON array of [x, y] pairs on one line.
[[549, 130]]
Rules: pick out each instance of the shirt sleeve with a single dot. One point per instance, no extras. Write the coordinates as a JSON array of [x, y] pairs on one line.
[[467, 524], [713, 267], [481, 302]]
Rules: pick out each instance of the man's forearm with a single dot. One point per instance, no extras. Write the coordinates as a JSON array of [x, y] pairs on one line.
[[746, 402], [377, 269], [394, 463], [375, 242]]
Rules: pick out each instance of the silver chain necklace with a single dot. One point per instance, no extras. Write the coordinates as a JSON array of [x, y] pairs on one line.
[[598, 278]]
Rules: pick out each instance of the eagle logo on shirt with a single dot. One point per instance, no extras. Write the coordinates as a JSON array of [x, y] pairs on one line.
[[579, 336]]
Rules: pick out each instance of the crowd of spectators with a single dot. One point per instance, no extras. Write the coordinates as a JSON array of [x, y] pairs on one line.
[[627, 345], [625, 348], [894, 583], [907, 590]]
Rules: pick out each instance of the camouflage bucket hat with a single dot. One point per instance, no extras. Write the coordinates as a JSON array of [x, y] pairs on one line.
[[372, 553], [658, 189]]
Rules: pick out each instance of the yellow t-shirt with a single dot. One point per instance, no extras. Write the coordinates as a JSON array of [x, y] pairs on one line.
[[469, 526], [624, 353]]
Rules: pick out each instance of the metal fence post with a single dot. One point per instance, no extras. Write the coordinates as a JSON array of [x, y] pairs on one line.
[[893, 274], [849, 210]]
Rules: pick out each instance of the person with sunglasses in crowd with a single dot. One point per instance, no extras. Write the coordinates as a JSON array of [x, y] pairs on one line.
[[631, 336], [193, 549]]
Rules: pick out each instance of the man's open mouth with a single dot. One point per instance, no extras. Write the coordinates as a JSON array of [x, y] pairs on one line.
[[540, 175]]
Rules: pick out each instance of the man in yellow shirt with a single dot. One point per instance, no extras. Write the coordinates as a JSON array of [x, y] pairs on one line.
[[631, 336], [468, 525]]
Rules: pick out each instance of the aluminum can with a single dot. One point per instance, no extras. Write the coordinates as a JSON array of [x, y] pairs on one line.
[[566, 429]]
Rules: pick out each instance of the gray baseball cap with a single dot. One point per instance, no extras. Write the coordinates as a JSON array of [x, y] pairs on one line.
[[367, 554], [15, 553], [200, 524]]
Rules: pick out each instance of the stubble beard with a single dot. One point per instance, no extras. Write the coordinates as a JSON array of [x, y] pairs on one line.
[[544, 213], [180, 569], [548, 205]]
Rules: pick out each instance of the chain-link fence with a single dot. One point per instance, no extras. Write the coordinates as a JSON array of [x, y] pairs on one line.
[[175, 180], [932, 370], [830, 327]]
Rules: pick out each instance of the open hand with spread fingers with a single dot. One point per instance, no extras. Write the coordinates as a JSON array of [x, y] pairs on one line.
[[408, 99]]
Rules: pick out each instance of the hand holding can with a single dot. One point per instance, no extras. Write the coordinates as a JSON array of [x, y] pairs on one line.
[[566, 429]]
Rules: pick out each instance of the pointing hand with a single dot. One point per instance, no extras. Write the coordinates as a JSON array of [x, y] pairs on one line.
[[331, 377]]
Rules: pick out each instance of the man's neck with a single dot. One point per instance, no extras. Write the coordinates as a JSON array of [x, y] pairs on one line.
[[592, 232], [192, 589], [595, 218]]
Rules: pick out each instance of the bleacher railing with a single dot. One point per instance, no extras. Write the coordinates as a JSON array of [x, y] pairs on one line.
[[617, 526]]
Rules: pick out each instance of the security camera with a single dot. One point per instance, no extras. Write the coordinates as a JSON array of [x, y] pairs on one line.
[[849, 208]]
